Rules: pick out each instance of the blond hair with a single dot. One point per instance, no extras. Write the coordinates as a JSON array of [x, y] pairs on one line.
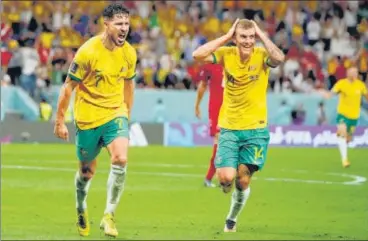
[[245, 24]]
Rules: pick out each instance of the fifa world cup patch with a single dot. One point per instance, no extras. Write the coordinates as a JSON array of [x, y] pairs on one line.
[[74, 67]]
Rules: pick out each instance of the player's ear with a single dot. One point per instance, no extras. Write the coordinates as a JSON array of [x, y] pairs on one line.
[[106, 21]]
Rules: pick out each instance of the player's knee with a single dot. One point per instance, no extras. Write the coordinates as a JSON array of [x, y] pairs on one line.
[[87, 172], [225, 177], [341, 131], [119, 160]]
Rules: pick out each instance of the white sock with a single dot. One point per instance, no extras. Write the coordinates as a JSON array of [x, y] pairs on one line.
[[82, 188], [238, 200], [115, 187], [343, 147]]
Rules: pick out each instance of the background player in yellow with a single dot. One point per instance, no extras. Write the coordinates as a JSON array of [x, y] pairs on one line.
[[350, 91], [244, 135], [101, 74]]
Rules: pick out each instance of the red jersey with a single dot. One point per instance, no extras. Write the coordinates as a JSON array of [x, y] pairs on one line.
[[212, 74]]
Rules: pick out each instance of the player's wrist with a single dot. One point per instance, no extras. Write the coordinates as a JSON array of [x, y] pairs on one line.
[[59, 122]]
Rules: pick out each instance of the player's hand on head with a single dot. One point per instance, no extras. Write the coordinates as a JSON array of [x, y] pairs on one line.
[[231, 31], [61, 131], [258, 30]]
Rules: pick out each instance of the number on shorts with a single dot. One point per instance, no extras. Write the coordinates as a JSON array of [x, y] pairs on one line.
[[119, 121], [258, 153]]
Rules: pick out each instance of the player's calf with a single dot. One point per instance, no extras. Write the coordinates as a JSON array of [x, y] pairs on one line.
[[239, 196], [82, 183], [342, 142]]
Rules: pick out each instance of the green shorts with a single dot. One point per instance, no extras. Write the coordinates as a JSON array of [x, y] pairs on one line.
[[237, 147], [350, 123], [89, 142]]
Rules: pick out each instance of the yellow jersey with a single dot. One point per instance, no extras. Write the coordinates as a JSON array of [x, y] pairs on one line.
[[244, 103], [350, 96], [100, 73]]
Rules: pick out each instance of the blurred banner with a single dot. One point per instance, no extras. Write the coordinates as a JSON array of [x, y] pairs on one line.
[[197, 134], [183, 134], [18, 131]]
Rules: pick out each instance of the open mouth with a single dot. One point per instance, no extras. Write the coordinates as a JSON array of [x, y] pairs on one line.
[[121, 37]]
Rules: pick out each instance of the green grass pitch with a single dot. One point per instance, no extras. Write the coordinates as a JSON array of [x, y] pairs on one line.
[[302, 194]]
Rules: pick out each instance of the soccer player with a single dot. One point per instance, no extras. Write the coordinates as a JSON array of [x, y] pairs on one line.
[[350, 91], [101, 73], [244, 135], [210, 75]]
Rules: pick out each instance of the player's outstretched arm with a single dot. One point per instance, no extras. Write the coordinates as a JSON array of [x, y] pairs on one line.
[[202, 87], [276, 55], [203, 53], [62, 106], [325, 93]]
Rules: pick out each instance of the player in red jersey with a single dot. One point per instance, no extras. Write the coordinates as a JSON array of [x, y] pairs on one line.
[[210, 75]]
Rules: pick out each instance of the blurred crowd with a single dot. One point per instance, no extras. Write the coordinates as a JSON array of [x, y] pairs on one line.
[[320, 39]]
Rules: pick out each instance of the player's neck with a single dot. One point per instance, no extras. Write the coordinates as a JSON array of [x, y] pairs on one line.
[[244, 57], [107, 42]]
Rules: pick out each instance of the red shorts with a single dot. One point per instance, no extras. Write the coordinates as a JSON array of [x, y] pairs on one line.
[[213, 121]]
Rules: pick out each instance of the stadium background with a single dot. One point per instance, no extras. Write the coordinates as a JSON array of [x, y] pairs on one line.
[[320, 38]]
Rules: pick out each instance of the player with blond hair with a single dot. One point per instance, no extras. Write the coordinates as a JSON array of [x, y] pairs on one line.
[[244, 135], [101, 74]]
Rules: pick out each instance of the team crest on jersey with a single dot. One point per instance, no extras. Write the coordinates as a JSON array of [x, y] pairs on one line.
[[74, 67]]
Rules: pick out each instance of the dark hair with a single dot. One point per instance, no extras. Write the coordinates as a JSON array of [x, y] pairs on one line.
[[111, 10]]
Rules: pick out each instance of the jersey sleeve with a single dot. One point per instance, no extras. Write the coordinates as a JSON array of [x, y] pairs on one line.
[[266, 58], [218, 55], [337, 87], [132, 65], [80, 66]]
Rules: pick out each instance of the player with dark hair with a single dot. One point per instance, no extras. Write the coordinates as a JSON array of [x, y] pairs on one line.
[[102, 74]]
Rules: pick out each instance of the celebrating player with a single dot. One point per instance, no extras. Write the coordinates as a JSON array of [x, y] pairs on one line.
[[244, 135], [210, 74], [350, 91], [101, 73]]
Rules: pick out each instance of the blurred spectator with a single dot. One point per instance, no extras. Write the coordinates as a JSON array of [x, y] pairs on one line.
[[320, 38], [314, 30], [15, 63], [45, 110], [30, 61], [321, 114], [298, 115]]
